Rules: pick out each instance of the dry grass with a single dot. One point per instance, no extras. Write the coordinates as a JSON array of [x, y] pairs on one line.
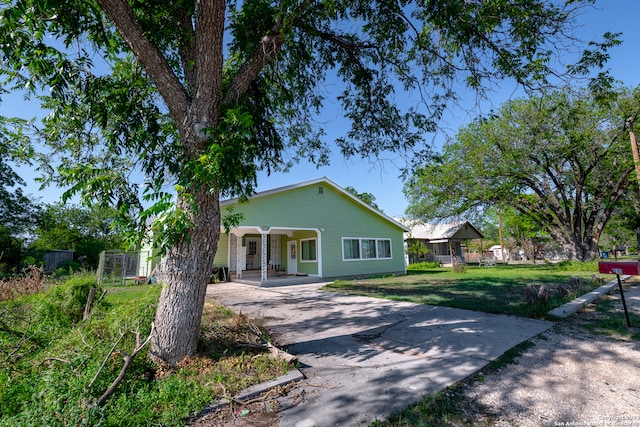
[[32, 281]]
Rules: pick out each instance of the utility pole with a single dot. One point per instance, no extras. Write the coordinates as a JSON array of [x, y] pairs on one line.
[[500, 234], [636, 161], [634, 148]]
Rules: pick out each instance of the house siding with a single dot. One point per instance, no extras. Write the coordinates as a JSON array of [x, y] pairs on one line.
[[321, 206]]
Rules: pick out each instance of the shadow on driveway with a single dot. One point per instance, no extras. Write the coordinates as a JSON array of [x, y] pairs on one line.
[[367, 358]]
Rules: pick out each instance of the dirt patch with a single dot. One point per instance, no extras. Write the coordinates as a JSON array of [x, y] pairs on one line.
[[259, 414], [568, 377]]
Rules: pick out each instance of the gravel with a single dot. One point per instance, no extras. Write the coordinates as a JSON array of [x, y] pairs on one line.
[[569, 377]]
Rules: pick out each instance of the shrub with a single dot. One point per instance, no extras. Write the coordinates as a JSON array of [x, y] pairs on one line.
[[567, 265], [67, 300], [425, 265], [66, 268]]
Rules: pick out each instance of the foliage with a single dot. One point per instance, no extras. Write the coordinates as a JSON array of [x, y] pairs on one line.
[[423, 266], [11, 250], [16, 208], [86, 231], [48, 359], [416, 250], [107, 117], [368, 198], [577, 266], [559, 160]]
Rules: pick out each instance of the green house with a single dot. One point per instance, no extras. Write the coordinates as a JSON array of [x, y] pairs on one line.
[[314, 228]]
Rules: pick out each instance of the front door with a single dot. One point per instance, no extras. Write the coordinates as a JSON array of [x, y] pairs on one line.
[[253, 253], [292, 257]]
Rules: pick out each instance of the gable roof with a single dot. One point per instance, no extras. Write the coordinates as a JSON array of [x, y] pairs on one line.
[[322, 180], [442, 232]]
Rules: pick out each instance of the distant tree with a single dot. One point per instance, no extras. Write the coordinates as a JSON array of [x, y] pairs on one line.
[[198, 96], [520, 232], [561, 160], [624, 227], [86, 231], [368, 198], [17, 210], [416, 250]]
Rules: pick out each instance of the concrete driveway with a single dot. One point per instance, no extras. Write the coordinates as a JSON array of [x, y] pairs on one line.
[[366, 358]]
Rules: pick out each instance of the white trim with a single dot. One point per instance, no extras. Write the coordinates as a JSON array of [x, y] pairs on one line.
[[360, 239]]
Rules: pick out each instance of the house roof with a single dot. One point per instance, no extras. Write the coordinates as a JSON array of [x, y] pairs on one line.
[[441, 232], [322, 180]]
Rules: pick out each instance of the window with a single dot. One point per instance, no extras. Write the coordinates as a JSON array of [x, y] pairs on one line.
[[384, 248], [308, 249], [252, 247], [368, 248], [351, 249], [359, 248]]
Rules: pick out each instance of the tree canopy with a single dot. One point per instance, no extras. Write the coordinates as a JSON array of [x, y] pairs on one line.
[[561, 160], [197, 96]]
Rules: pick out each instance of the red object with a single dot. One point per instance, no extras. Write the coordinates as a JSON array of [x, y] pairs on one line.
[[630, 268]]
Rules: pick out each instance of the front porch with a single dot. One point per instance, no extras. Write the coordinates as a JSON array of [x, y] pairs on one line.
[[274, 279], [260, 255]]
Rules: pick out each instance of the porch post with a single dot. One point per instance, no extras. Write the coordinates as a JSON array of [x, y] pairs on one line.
[[319, 250], [263, 257], [239, 256]]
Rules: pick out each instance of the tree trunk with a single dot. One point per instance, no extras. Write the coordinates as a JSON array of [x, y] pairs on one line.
[[185, 274]]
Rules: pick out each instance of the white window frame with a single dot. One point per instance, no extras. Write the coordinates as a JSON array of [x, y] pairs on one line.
[[302, 252], [376, 241]]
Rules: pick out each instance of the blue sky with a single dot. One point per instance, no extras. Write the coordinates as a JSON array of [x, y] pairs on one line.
[[382, 178]]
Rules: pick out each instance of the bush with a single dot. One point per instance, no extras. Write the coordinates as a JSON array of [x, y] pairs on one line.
[[425, 265], [591, 266], [67, 300], [66, 268]]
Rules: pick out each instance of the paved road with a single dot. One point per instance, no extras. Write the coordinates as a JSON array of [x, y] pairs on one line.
[[366, 358]]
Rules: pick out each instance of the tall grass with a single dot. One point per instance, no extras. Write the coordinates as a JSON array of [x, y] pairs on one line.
[[50, 360], [31, 281]]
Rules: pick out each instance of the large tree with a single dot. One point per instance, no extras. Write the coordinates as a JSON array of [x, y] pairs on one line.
[[198, 95], [561, 160]]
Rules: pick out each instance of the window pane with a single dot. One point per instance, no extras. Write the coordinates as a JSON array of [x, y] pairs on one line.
[[312, 250], [351, 249], [308, 248], [384, 248], [368, 248]]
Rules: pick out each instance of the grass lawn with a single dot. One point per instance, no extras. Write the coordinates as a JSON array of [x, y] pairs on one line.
[[491, 290]]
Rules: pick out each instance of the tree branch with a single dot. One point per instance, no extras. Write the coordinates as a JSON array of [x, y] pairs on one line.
[[149, 56], [269, 47], [128, 359]]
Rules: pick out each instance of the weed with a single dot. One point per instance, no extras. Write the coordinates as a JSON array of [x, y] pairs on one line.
[[32, 281], [49, 358]]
